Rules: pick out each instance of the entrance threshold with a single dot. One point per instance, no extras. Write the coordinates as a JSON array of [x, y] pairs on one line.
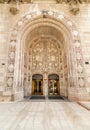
[[42, 98], [55, 97], [37, 97], [49, 97]]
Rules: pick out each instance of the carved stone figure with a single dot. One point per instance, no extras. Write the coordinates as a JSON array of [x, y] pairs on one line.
[[81, 82], [12, 55], [10, 82], [11, 68], [80, 69], [12, 43]]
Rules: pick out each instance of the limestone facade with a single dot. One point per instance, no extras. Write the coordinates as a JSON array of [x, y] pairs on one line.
[[44, 39]]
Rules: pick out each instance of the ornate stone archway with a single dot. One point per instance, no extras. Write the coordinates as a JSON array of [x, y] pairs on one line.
[[56, 20]]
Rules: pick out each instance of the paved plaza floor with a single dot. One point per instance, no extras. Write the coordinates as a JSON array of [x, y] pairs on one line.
[[44, 115]]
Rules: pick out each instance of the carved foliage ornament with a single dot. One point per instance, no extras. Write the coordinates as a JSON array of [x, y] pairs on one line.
[[74, 6], [29, 1], [12, 1]]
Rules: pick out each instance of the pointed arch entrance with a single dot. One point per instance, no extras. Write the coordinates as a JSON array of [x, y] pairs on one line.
[[32, 30]]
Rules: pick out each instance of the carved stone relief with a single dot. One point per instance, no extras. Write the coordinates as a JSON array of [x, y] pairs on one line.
[[12, 55], [45, 55], [80, 68], [81, 82], [11, 61], [77, 43], [11, 68], [10, 82]]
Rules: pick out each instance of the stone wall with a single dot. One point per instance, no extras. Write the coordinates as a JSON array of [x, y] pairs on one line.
[[8, 20]]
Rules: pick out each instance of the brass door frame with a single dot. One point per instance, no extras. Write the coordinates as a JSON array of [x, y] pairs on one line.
[[53, 93]]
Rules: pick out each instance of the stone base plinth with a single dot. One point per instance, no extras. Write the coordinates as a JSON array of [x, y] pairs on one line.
[[18, 96], [8, 96]]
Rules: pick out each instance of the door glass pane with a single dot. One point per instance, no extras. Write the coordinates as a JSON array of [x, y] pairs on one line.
[[53, 81]]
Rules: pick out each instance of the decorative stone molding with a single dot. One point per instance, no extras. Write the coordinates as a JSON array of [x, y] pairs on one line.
[[43, 1], [74, 8]]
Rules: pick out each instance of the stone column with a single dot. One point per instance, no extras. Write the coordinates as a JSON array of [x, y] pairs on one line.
[[30, 85], [45, 85]]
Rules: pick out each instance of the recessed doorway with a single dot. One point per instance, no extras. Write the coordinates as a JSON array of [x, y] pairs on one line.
[[53, 85], [37, 84]]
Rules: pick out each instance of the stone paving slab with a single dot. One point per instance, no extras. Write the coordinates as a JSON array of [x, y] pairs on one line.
[[85, 105], [44, 116]]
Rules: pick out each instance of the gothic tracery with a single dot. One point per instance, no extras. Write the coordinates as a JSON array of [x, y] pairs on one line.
[[45, 55]]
